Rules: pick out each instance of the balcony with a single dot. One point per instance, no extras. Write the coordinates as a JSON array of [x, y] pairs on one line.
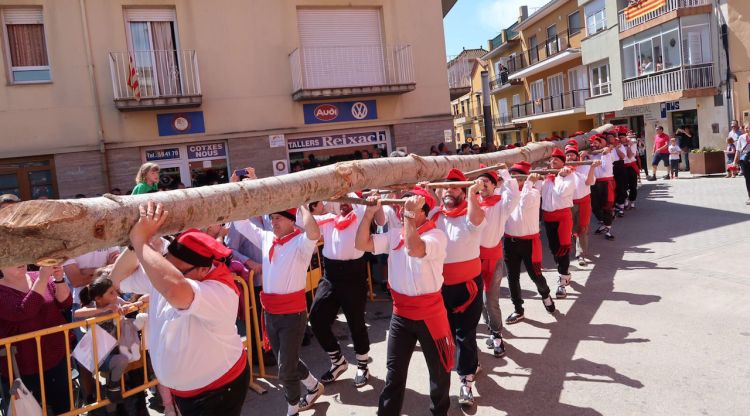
[[351, 71], [166, 79], [555, 105], [505, 122], [552, 52], [685, 81], [502, 81], [669, 6], [459, 76]]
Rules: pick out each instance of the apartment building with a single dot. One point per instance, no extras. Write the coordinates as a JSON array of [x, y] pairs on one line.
[[507, 93], [737, 29], [671, 62], [552, 72], [95, 88]]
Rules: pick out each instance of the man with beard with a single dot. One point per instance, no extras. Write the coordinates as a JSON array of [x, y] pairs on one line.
[[522, 243], [461, 218], [498, 198], [415, 270], [344, 286], [584, 177], [603, 191], [557, 200]]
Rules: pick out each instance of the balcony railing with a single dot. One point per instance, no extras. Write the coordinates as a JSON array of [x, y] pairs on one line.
[[502, 120], [166, 79], [502, 78], [543, 51], [340, 71], [669, 6], [554, 103], [672, 80]]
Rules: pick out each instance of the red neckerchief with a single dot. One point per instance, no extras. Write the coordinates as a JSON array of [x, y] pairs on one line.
[[551, 177], [343, 222], [490, 201], [281, 241], [427, 226], [221, 274], [457, 211]]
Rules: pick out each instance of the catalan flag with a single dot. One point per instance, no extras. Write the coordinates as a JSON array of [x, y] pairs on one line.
[[133, 79], [639, 8]]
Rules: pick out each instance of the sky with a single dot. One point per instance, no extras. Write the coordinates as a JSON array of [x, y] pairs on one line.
[[471, 23]]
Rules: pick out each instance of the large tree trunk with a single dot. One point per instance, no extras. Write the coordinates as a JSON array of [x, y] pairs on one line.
[[51, 231]]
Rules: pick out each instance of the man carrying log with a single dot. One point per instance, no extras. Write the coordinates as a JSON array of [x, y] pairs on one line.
[[522, 243], [415, 276], [287, 251], [195, 348], [584, 179], [557, 200], [461, 218], [344, 286], [603, 191], [498, 198]]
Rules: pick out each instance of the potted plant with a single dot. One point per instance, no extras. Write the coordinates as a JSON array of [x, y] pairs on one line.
[[706, 161]]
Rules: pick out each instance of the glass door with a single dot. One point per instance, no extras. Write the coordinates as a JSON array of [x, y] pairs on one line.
[[171, 175], [555, 85], [154, 53], [537, 96], [553, 46]]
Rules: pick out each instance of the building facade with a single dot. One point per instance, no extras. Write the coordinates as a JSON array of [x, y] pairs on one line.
[[96, 88], [736, 33]]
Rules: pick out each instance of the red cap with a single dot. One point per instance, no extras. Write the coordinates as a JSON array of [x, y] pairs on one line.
[[511, 146], [491, 175], [521, 167], [198, 248], [428, 198], [455, 175], [598, 137], [572, 142], [571, 149], [558, 154], [578, 133], [291, 213]]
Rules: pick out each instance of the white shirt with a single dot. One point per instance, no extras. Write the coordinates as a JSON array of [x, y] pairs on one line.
[[742, 143], [413, 276], [674, 152], [615, 156], [463, 237], [633, 148], [287, 273], [193, 347], [558, 194], [605, 170], [524, 220], [581, 175], [496, 215], [94, 259], [339, 244]]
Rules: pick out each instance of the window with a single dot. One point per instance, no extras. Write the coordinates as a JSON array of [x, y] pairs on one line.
[[25, 46], [671, 47], [574, 22], [533, 52], [696, 40], [28, 178], [596, 20], [152, 41], [658, 49], [600, 83]]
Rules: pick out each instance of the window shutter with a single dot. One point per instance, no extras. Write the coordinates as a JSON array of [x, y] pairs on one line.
[[150, 15], [26, 16]]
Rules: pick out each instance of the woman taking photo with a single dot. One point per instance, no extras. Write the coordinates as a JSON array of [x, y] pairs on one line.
[[147, 179], [30, 301]]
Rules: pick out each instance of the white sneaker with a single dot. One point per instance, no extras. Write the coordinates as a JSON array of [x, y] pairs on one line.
[[747, 202]]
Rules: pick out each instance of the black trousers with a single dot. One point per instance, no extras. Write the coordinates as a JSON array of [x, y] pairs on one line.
[[403, 335], [621, 180], [745, 166], [344, 286], [553, 240], [599, 207], [226, 400], [631, 183], [515, 252], [464, 324]]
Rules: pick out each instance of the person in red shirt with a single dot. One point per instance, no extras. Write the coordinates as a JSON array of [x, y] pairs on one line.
[[661, 152]]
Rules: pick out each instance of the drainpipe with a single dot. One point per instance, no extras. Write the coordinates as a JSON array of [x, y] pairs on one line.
[[489, 134], [730, 99], [95, 96]]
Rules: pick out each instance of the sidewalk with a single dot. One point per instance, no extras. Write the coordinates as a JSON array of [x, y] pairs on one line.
[[658, 325]]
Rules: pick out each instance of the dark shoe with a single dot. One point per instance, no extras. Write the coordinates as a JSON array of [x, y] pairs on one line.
[[514, 318], [602, 228], [336, 370], [620, 213], [608, 235], [651, 178], [551, 307], [665, 177], [498, 347], [360, 379], [312, 395], [465, 396]]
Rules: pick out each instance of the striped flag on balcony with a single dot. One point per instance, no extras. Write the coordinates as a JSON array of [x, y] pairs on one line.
[[133, 79], [638, 8]]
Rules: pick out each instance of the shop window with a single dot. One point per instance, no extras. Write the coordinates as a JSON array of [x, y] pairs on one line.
[[30, 178], [25, 46]]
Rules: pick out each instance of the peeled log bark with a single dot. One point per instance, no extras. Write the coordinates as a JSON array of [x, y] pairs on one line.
[[51, 231]]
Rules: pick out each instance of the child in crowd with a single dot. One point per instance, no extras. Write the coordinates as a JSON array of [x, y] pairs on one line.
[[729, 153], [100, 297], [674, 158]]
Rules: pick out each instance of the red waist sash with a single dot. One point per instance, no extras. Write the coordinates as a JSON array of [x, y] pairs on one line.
[[536, 249], [430, 309], [281, 304], [564, 218], [584, 214]]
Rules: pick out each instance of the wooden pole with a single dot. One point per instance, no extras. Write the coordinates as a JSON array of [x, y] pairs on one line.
[[51, 231], [480, 171], [362, 201], [579, 162], [454, 184]]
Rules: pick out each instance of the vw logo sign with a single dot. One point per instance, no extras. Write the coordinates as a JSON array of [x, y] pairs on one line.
[[359, 110]]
